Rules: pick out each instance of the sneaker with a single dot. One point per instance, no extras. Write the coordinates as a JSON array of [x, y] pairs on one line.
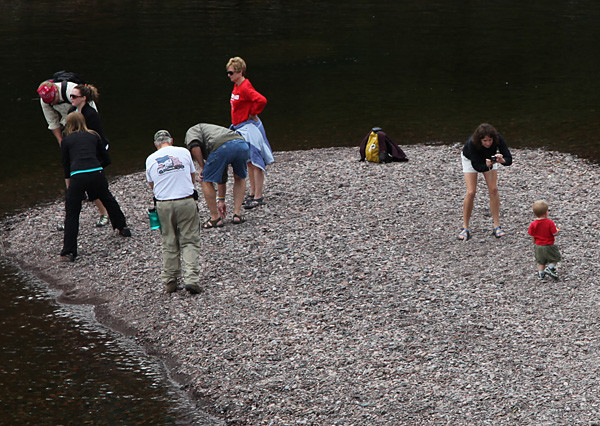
[[541, 275], [69, 257], [552, 272], [103, 221], [125, 232], [193, 288], [171, 287]]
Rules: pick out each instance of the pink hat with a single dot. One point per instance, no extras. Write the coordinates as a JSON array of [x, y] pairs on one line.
[[47, 92]]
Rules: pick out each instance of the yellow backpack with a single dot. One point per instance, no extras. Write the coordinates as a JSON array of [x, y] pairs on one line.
[[377, 147], [372, 148]]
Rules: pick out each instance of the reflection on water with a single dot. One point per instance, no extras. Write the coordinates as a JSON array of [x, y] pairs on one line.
[[58, 366], [423, 70]]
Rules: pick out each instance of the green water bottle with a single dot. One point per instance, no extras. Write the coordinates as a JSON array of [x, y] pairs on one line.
[[154, 220]]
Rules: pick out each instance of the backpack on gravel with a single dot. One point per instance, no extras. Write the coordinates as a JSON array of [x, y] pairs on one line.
[[377, 147]]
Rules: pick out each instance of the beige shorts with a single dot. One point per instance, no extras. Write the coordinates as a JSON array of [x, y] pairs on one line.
[[468, 167]]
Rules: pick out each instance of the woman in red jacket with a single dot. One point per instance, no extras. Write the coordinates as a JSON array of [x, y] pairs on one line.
[[246, 104]]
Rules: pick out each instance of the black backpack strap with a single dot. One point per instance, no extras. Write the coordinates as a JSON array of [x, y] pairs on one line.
[[63, 91]]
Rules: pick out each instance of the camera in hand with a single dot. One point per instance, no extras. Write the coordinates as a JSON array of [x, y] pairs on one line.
[[493, 159]]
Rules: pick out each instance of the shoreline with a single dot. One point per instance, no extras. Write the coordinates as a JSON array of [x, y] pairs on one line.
[[348, 299]]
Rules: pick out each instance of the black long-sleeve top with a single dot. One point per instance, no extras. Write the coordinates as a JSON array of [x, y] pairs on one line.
[[92, 120], [478, 156], [83, 151]]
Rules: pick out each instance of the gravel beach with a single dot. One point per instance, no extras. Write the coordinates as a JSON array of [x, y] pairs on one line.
[[348, 299]]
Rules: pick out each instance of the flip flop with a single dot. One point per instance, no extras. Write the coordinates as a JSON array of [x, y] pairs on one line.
[[464, 235], [498, 232], [213, 223]]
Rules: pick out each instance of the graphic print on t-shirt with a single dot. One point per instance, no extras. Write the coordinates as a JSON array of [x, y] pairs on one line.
[[168, 163]]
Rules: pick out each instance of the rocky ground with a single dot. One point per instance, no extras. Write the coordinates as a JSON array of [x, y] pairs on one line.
[[348, 299]]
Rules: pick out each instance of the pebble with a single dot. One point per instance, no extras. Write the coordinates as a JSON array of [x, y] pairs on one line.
[[348, 299]]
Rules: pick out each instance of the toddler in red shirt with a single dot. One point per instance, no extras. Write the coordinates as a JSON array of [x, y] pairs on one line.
[[542, 231]]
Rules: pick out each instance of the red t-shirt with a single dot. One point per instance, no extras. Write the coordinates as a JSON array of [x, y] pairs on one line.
[[245, 101], [543, 231]]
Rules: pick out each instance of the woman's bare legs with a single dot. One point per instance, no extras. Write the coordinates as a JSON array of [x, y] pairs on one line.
[[471, 181], [491, 179]]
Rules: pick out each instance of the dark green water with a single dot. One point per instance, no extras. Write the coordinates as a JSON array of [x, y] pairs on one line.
[[425, 71], [59, 366]]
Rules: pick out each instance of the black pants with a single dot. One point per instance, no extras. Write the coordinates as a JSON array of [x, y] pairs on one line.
[[95, 183]]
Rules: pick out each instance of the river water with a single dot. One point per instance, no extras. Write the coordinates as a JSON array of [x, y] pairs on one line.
[[425, 71]]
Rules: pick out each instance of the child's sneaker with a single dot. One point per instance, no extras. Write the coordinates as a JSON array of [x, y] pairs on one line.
[[541, 275], [552, 272]]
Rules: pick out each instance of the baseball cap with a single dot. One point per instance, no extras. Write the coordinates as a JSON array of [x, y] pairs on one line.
[[162, 135], [47, 92]]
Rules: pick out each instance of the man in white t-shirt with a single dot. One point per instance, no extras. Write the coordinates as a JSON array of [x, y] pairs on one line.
[[171, 174]]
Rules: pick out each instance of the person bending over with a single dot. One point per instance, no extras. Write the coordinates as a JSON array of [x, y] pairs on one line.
[[83, 158], [214, 148], [483, 153]]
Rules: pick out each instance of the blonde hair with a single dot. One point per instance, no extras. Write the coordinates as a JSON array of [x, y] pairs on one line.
[[76, 123], [540, 207], [238, 64]]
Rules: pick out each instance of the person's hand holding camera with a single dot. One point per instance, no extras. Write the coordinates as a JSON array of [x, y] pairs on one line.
[[496, 158]]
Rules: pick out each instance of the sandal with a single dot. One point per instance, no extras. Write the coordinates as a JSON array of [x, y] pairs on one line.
[[240, 219], [248, 198], [254, 203], [213, 223], [464, 235], [498, 232]]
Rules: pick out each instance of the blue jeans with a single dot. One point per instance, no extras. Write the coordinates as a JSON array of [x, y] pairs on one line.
[[235, 152]]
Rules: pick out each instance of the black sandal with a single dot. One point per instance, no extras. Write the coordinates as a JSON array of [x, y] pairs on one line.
[[240, 219], [254, 203], [248, 199], [213, 223]]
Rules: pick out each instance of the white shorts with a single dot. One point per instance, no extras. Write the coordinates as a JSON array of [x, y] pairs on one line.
[[468, 167]]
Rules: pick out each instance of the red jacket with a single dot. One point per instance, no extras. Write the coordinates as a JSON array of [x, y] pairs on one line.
[[245, 101]]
